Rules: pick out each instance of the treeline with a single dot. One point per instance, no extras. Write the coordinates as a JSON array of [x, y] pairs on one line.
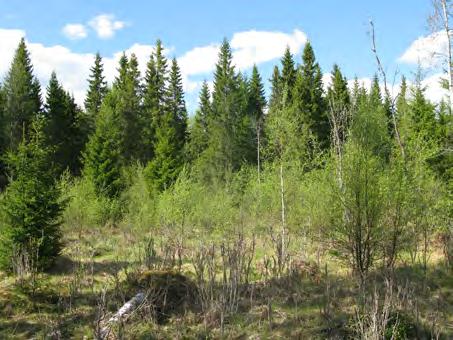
[[366, 173]]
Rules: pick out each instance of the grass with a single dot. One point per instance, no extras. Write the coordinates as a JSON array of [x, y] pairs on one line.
[[64, 301]]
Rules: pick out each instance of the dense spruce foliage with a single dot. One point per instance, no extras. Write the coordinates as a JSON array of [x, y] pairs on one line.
[[32, 205], [342, 174]]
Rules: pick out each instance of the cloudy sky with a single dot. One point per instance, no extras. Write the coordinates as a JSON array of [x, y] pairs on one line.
[[64, 35]]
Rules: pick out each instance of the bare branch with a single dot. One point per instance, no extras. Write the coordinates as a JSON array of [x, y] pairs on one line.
[[387, 92]]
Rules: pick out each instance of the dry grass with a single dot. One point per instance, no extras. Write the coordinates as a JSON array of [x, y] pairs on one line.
[[306, 302]]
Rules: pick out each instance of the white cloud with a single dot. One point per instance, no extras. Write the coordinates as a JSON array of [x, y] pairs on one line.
[[364, 81], [105, 25], [9, 39], [428, 51], [326, 80], [434, 90], [248, 48], [72, 68], [75, 31], [199, 60], [255, 47], [432, 84]]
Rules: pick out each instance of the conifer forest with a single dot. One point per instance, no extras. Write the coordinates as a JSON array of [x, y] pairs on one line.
[[288, 208]]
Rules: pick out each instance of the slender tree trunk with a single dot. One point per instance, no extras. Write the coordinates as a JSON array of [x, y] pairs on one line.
[[282, 196], [387, 92], [447, 31], [258, 133]]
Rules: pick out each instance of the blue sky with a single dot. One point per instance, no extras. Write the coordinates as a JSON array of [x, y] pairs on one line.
[[338, 31]]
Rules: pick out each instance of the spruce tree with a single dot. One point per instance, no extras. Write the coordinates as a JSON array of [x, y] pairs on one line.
[[288, 74], [256, 96], [401, 102], [176, 104], [155, 96], [338, 92], [162, 73], [276, 90], [370, 124], [102, 158], [444, 161], [422, 115], [31, 205], [245, 142], [22, 98], [256, 105], [150, 111], [77, 136], [121, 79], [198, 136], [62, 127], [339, 104], [222, 157], [97, 89], [383, 103], [3, 177], [375, 97], [164, 168], [308, 99], [128, 106], [170, 135]]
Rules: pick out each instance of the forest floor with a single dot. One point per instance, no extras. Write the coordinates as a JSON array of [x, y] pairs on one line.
[[95, 276]]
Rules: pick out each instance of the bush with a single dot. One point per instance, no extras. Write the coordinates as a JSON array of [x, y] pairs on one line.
[[85, 208], [141, 200]]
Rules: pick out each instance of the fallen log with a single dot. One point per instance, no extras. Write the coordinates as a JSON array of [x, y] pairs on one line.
[[125, 310]]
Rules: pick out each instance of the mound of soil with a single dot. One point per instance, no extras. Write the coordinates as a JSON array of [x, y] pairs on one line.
[[167, 292]]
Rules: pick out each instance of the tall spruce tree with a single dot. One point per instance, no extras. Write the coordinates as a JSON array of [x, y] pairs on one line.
[[62, 127], [176, 104], [444, 160], [367, 110], [31, 205], [3, 177], [422, 115], [256, 106], [308, 98], [128, 106], [22, 98], [382, 102], [198, 136], [170, 135], [339, 105], [151, 110], [102, 158], [276, 90], [256, 95], [155, 97], [223, 156], [162, 73], [164, 168], [97, 89], [245, 142], [401, 106], [375, 97], [77, 132], [338, 93], [288, 74]]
